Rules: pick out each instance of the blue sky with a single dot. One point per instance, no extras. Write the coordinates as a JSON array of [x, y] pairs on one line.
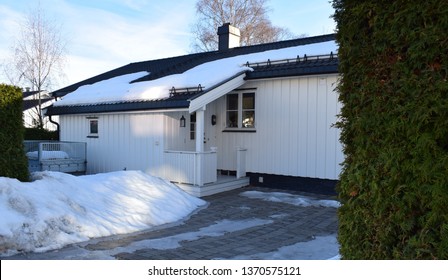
[[105, 34]]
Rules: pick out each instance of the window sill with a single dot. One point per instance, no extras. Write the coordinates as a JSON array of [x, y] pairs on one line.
[[92, 136], [240, 130]]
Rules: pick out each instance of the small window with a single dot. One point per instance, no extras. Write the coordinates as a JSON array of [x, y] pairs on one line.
[[192, 126], [93, 128], [241, 110]]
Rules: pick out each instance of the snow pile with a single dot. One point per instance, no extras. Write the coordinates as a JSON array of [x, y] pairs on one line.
[[48, 155], [119, 89], [58, 209], [296, 200]]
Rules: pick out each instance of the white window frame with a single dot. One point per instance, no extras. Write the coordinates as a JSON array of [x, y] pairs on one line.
[[93, 134], [240, 111]]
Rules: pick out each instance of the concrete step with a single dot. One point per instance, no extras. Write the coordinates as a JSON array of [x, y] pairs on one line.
[[222, 185]]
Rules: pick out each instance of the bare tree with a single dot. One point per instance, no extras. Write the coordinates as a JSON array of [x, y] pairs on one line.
[[38, 56], [250, 16]]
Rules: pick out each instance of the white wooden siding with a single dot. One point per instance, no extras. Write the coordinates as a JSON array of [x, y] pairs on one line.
[[178, 138], [125, 141], [294, 133]]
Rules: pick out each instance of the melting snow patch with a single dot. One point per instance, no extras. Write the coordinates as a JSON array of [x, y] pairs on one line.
[[320, 248], [296, 200], [218, 229]]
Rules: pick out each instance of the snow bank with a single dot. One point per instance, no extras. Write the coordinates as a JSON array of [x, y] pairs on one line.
[[296, 200], [119, 89], [48, 155], [58, 209]]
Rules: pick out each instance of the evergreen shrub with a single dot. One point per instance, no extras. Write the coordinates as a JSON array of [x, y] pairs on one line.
[[13, 162], [394, 128], [36, 133]]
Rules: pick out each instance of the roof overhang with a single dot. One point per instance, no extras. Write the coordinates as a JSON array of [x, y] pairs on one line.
[[221, 89], [119, 107]]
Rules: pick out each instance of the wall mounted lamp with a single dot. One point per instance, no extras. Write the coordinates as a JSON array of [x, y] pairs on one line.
[[182, 121]]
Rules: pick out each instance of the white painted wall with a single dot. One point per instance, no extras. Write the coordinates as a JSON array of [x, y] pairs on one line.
[[131, 141], [294, 134]]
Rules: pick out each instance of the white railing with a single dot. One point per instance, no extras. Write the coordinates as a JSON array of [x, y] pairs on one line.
[[56, 156], [196, 168]]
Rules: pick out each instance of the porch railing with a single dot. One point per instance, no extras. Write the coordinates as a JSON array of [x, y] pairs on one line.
[[196, 168]]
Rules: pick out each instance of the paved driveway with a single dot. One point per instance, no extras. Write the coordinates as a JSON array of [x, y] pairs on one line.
[[248, 223]]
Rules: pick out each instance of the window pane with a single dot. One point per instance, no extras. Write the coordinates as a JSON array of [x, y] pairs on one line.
[[248, 101], [249, 119], [192, 130], [232, 102], [93, 126], [232, 119]]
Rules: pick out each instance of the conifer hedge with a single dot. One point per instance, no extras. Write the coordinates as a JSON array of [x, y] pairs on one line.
[[35, 133], [394, 128], [13, 162]]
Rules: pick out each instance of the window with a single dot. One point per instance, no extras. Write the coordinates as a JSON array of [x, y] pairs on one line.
[[93, 127], [249, 110], [241, 110], [192, 126]]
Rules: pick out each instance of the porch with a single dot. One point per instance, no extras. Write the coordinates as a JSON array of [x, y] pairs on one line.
[[197, 173]]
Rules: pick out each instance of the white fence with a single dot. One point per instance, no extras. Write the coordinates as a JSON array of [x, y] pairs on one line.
[[67, 157], [196, 168]]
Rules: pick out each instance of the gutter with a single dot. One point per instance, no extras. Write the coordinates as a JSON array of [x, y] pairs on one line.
[[55, 123]]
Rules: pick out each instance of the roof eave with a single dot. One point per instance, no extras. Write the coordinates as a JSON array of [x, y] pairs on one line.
[[118, 107]]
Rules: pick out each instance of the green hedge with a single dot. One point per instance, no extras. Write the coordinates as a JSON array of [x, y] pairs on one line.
[[394, 129], [40, 134], [13, 162]]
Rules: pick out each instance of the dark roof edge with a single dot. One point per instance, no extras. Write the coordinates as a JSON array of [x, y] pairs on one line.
[[286, 74], [117, 107]]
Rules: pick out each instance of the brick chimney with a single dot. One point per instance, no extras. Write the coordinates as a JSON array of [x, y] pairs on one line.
[[229, 37]]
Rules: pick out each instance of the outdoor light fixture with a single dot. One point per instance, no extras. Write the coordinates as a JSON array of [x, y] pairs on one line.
[[182, 121]]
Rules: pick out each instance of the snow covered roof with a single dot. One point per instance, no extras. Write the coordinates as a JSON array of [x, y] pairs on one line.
[[146, 85]]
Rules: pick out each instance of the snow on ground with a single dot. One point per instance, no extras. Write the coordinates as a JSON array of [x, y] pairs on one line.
[[219, 228], [291, 199], [57, 209], [119, 89], [320, 248]]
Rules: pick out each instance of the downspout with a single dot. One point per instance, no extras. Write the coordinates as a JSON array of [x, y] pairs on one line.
[[57, 125], [53, 122]]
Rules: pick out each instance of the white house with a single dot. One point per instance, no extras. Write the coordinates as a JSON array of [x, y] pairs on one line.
[[31, 111], [260, 114]]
